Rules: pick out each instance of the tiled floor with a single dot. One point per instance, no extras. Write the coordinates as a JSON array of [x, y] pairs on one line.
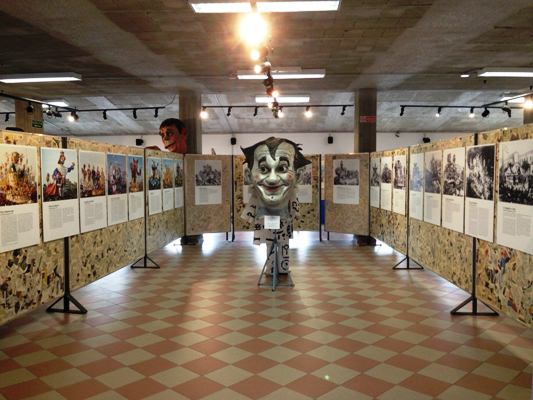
[[200, 328]]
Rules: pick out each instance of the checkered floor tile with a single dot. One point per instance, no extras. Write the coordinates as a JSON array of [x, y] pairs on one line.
[[200, 328]]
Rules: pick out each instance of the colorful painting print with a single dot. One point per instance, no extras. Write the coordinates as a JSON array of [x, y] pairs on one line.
[[59, 174], [178, 174], [116, 173], [135, 173], [208, 172], [516, 172], [168, 173], [92, 173], [18, 175], [154, 180], [480, 172], [433, 172]]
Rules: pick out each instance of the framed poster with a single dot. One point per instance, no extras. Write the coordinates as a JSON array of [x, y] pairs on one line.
[[178, 184], [416, 186], [135, 187], [153, 176], [453, 189], [386, 183], [61, 207], [19, 209], [93, 204], [346, 181], [168, 183], [399, 184], [208, 182], [375, 179], [117, 196], [304, 187], [432, 186]]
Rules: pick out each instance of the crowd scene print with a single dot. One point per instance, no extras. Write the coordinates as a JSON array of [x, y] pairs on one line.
[[59, 174], [480, 175], [18, 179], [116, 173], [304, 177], [154, 181], [453, 176], [417, 178], [516, 172], [433, 172], [374, 175], [135, 174], [345, 175], [168, 173], [208, 175], [92, 174], [178, 174], [399, 175]]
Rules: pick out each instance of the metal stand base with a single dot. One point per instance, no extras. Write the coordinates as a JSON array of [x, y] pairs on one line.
[[474, 300], [407, 266], [67, 299], [275, 281], [145, 263]]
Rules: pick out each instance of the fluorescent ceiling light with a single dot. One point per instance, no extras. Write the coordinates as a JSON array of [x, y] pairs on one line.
[[518, 100], [285, 74], [51, 77], [283, 99], [58, 103], [264, 6], [506, 72]]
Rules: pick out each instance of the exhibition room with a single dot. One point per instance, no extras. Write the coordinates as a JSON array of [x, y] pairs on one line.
[[295, 200]]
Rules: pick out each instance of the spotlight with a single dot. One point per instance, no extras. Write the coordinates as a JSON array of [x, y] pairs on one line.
[[255, 111], [57, 114], [203, 113], [73, 117], [269, 81], [528, 104], [254, 54], [270, 91], [104, 114], [253, 29], [402, 110], [281, 114], [507, 110], [471, 115], [229, 111], [438, 112], [275, 93], [7, 117], [485, 113], [156, 112], [29, 109], [134, 113], [308, 113], [270, 105], [257, 68], [49, 112], [330, 139], [343, 110]]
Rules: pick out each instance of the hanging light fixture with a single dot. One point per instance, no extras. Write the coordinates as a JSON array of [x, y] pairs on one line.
[[134, 113], [308, 113], [472, 114], [255, 111], [156, 112], [485, 113], [228, 114], [204, 114], [402, 110], [439, 110], [104, 114]]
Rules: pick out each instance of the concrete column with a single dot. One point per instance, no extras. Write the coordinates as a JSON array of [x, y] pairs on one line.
[[190, 104], [365, 120], [29, 122]]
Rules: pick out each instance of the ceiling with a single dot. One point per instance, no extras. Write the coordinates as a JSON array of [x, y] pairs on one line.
[[134, 53]]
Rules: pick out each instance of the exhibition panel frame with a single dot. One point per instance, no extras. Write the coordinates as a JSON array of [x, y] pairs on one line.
[[308, 193], [347, 199], [241, 193]]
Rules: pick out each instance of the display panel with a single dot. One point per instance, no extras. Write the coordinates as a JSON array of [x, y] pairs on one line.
[[432, 186], [208, 182], [416, 186], [168, 183], [399, 184], [453, 192], [155, 200], [375, 179], [346, 181], [117, 187], [93, 204], [178, 184], [135, 187], [304, 188], [386, 183]]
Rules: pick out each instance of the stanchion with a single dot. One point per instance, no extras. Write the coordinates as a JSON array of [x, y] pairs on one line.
[[275, 269], [145, 258]]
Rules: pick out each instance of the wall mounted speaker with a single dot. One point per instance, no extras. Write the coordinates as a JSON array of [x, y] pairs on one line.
[[233, 141], [426, 139], [139, 142], [330, 139]]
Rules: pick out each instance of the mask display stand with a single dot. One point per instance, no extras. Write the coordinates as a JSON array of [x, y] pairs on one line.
[[275, 281]]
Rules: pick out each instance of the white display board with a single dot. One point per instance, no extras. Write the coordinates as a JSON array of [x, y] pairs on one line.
[[61, 207], [375, 179], [514, 219], [208, 182], [19, 210], [416, 186], [135, 187], [479, 204], [304, 188], [178, 184], [153, 178], [168, 183], [432, 186], [386, 183], [92, 189], [453, 189], [399, 184], [117, 189], [346, 181]]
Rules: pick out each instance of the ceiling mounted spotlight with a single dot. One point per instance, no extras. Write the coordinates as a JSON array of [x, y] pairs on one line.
[[308, 113], [29, 109], [254, 54], [134, 113], [485, 113], [253, 29], [528, 104], [472, 114], [255, 111], [439, 110], [156, 112], [229, 111], [343, 110], [507, 110], [281, 114], [402, 110], [57, 114], [269, 104], [73, 117], [104, 114], [7, 117], [49, 112], [257, 68], [203, 113], [275, 93]]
